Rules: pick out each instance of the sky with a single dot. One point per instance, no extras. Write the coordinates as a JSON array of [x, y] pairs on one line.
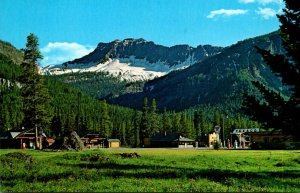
[[69, 29]]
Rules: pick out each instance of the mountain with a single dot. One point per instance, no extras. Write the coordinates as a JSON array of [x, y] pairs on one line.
[[10, 58], [136, 59], [100, 84], [72, 108], [218, 80], [8, 50]]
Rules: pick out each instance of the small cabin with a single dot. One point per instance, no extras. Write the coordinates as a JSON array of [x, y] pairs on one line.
[[171, 139], [23, 139], [214, 136], [183, 142], [242, 136], [270, 140], [114, 143], [93, 140]]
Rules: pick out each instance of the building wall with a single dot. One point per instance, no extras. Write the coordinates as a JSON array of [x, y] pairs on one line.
[[269, 138], [212, 139], [147, 142], [185, 146], [114, 144]]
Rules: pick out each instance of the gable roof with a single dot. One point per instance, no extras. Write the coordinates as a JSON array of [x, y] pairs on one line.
[[166, 136], [17, 133], [14, 134], [113, 140], [184, 139]]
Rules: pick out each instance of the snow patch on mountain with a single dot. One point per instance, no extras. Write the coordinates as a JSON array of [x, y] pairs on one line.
[[130, 69]]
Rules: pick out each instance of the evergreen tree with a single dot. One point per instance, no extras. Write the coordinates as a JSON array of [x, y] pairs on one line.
[[105, 123], [183, 123], [185, 127], [216, 118], [197, 124], [123, 138], [35, 94], [56, 126], [145, 126], [136, 128], [203, 127], [166, 121], [69, 123], [273, 111], [176, 122], [154, 119]]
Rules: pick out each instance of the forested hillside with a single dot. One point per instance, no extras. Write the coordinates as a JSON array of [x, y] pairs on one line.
[[219, 80], [100, 85], [72, 109]]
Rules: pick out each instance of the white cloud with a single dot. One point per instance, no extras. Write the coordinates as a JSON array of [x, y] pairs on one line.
[[246, 1], [59, 52], [266, 13], [263, 2], [226, 12]]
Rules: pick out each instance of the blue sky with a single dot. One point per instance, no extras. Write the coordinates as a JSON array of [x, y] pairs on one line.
[[68, 29]]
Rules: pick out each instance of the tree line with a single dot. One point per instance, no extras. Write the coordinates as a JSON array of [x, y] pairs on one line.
[[272, 109], [29, 100]]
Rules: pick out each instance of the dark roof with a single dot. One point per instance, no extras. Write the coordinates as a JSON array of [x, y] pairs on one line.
[[93, 135], [266, 133], [13, 134], [165, 136]]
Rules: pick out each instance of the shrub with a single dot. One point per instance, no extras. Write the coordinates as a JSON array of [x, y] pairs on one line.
[[217, 145]]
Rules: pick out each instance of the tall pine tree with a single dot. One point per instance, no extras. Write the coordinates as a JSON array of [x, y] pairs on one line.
[[154, 119], [166, 121], [105, 122], [145, 124], [274, 111], [197, 124], [35, 94]]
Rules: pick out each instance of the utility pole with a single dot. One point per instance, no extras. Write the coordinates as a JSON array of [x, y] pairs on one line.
[[223, 129], [36, 138], [36, 130]]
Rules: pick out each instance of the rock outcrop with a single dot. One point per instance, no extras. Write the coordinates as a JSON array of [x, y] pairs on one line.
[[70, 141]]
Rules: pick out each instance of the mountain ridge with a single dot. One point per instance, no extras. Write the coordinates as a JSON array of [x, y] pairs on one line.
[[136, 59], [218, 79], [136, 47]]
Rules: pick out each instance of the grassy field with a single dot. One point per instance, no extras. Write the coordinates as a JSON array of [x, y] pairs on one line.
[[156, 170]]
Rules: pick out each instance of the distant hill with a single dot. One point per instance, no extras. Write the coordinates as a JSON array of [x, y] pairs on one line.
[[11, 52], [219, 79], [10, 58], [70, 108]]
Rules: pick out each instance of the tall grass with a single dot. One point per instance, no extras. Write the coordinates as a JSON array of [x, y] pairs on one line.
[[155, 171]]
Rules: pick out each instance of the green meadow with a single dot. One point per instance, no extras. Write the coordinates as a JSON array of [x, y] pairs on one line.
[[160, 170]]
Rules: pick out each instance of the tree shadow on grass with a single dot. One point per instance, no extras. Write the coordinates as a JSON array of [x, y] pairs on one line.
[[31, 177], [113, 169], [117, 170]]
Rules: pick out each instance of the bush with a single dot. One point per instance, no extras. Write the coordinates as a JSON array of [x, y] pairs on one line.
[[217, 145]]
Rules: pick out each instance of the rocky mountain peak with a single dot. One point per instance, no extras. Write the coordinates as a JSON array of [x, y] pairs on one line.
[[137, 59]]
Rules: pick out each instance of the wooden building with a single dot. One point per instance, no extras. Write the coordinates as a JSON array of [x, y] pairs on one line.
[[241, 137], [171, 139], [270, 140], [214, 136], [93, 140], [114, 143], [23, 139]]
